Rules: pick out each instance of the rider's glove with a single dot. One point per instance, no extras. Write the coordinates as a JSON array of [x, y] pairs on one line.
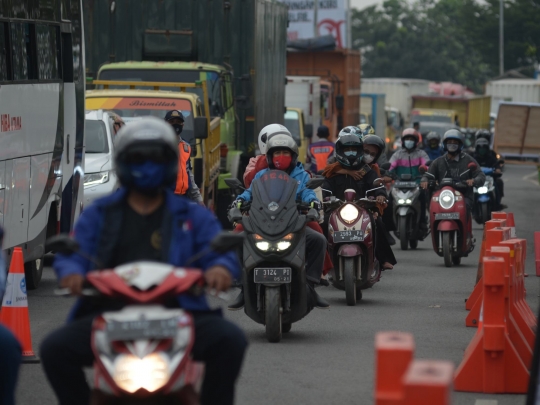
[[316, 204], [236, 203]]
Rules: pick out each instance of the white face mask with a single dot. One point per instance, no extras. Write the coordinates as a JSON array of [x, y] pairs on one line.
[[368, 159], [452, 147], [409, 144]]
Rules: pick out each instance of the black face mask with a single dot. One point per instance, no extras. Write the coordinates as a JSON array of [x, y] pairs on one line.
[[178, 128]]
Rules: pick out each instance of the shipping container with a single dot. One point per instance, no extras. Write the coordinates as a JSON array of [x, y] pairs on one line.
[[515, 90], [342, 68], [473, 112]]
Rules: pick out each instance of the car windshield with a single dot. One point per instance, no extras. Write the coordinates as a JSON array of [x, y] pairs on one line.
[[292, 122], [95, 134], [134, 108]]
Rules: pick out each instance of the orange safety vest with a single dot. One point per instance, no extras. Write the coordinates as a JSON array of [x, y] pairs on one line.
[[182, 179]]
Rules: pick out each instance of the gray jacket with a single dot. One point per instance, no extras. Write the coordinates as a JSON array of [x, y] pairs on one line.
[[443, 167]]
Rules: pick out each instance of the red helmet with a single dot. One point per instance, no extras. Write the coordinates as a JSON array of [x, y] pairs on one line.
[[411, 132]]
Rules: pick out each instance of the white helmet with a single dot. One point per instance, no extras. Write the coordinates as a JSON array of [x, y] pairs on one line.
[[267, 132]]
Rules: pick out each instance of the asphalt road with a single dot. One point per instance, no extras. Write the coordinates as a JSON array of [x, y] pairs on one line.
[[328, 357]]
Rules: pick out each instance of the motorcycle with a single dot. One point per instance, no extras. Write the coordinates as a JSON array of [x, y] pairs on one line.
[[351, 244], [143, 351], [276, 293], [450, 223], [408, 211], [485, 198]]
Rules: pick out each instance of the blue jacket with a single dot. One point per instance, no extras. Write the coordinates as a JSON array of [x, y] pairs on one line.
[[187, 229], [434, 153], [299, 174]]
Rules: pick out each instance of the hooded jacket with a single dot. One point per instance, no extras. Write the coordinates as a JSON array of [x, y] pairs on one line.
[[403, 162]]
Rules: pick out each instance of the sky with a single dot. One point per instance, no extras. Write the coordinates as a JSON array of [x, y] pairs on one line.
[[360, 4]]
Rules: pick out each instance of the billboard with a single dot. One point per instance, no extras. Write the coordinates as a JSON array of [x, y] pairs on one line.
[[331, 19]]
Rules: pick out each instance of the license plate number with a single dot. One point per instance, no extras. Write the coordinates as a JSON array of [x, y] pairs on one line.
[[406, 184], [447, 215], [348, 236], [142, 329], [272, 275]]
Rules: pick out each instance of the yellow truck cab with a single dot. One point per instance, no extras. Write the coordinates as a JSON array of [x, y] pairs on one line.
[[200, 131], [434, 115], [295, 123]]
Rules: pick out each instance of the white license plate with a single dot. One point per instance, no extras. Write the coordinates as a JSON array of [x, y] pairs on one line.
[[272, 275]]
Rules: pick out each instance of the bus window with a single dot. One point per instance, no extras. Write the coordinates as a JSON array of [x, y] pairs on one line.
[[4, 74], [48, 52], [22, 47]]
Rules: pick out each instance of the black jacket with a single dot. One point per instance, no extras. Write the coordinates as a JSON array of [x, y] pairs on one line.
[[341, 182], [490, 160]]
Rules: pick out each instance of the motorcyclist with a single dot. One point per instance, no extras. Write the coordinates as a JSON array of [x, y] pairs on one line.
[[10, 349], [282, 154], [185, 182], [351, 172], [145, 220], [433, 148], [351, 130], [488, 158], [258, 163], [367, 129], [320, 151], [408, 160], [452, 164]]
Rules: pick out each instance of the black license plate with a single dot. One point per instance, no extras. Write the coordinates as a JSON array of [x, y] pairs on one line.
[[272, 275], [447, 215], [142, 329], [348, 236], [406, 184]]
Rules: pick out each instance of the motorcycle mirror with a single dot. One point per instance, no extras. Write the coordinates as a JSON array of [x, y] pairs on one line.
[[63, 244], [234, 184], [472, 166], [386, 166], [422, 169], [226, 241], [315, 182]]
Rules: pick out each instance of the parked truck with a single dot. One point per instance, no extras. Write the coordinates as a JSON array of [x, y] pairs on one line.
[[341, 68], [514, 90], [471, 112]]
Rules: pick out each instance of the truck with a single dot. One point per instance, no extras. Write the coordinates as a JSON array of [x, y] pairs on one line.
[[399, 94], [472, 112], [515, 90], [372, 111], [341, 67]]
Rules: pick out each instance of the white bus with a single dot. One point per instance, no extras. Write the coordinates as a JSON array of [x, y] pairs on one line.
[[42, 83]]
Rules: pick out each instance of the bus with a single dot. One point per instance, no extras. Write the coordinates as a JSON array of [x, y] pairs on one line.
[[42, 84]]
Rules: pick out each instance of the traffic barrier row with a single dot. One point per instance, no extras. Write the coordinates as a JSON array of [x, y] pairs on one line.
[[498, 358], [401, 380]]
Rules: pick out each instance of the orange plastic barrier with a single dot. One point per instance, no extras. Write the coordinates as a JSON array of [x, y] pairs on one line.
[[491, 363], [394, 352], [537, 252], [14, 314], [429, 382]]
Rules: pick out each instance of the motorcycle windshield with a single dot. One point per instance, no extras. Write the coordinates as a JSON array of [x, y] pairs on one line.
[[273, 208]]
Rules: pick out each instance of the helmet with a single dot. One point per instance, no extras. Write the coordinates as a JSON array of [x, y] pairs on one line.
[[481, 143], [433, 136], [344, 141], [453, 134], [174, 114], [483, 133], [350, 130], [281, 141], [149, 139], [410, 133], [267, 132], [366, 129], [375, 141]]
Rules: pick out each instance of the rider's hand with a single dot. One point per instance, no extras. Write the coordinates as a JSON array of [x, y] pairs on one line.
[[73, 282], [381, 199], [316, 204], [470, 182], [218, 278], [387, 179], [424, 185], [498, 171]]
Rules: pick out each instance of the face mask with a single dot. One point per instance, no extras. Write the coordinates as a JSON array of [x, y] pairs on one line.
[[350, 153], [409, 144], [368, 159], [178, 128], [452, 148], [482, 151], [282, 162], [148, 177]]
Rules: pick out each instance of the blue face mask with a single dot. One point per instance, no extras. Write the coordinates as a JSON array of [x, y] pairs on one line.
[[148, 176], [351, 153], [409, 144]]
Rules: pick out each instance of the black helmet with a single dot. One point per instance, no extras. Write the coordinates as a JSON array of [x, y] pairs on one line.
[[481, 146], [174, 114], [453, 134], [433, 136], [348, 140], [138, 142], [375, 141], [483, 133], [281, 141]]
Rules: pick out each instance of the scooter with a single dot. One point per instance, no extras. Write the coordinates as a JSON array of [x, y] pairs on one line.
[[450, 224], [351, 243], [143, 352], [485, 198], [408, 211], [276, 293]]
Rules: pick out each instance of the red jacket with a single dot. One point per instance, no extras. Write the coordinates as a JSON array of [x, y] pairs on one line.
[[255, 165]]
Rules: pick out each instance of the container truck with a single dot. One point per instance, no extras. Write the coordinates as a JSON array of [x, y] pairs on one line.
[[304, 92], [515, 90]]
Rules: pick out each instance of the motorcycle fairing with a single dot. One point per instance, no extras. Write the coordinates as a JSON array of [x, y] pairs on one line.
[[447, 226], [349, 250], [403, 211]]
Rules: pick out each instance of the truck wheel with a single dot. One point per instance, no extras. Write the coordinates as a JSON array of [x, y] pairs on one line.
[[272, 313], [33, 270], [350, 280], [403, 233], [447, 248]]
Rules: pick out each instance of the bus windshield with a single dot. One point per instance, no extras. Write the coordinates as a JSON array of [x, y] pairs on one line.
[[133, 108], [176, 76]]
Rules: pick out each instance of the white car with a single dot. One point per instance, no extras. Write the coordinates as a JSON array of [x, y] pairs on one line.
[[99, 178]]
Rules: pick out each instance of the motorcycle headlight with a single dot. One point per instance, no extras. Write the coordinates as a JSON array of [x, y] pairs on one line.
[[482, 190], [349, 213], [401, 201], [132, 373], [93, 179], [283, 245], [446, 199], [264, 245]]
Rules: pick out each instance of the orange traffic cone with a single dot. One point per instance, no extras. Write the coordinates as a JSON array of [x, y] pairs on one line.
[[14, 314]]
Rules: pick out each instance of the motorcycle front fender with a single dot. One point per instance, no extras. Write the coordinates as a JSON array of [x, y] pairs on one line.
[[349, 250], [403, 211], [483, 198], [447, 226]]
